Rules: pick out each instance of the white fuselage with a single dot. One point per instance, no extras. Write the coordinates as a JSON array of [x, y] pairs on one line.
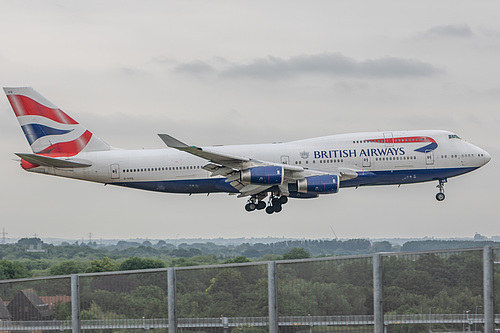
[[379, 158]]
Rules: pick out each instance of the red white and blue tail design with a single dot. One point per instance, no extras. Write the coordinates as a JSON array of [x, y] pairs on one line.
[[48, 129]]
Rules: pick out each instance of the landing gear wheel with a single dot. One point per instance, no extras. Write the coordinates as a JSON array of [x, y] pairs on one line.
[[440, 196], [277, 208], [283, 200], [249, 207], [270, 209], [261, 205]]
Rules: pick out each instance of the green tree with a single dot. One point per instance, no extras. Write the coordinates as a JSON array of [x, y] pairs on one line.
[[182, 262], [96, 312], [13, 270], [29, 241], [297, 253], [237, 260], [67, 267], [134, 263], [104, 265], [384, 246], [62, 311]]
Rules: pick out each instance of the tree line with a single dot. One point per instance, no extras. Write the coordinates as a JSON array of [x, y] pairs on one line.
[[17, 262]]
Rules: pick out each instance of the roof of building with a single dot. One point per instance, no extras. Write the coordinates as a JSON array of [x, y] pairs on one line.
[[4, 312]]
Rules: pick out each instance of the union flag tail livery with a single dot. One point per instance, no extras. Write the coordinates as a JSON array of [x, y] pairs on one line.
[[264, 172], [48, 129]]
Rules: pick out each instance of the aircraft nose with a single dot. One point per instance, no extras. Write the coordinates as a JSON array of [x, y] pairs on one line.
[[487, 157]]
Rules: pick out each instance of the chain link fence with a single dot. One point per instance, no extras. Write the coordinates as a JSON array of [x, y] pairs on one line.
[[313, 295], [437, 291], [496, 285], [427, 284]]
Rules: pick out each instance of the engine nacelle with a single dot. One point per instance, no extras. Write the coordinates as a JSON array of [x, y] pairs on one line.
[[326, 184], [265, 175]]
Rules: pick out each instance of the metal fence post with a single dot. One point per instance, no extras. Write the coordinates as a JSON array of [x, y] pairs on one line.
[[272, 283], [75, 303], [489, 316], [378, 310], [172, 301]]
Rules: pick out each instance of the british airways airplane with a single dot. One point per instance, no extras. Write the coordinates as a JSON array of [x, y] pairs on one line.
[[299, 169]]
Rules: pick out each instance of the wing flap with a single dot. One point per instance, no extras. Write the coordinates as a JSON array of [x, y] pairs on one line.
[[252, 189]]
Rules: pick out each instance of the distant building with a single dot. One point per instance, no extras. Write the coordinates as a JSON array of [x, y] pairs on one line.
[[4, 312], [27, 306], [51, 301], [38, 248], [480, 238]]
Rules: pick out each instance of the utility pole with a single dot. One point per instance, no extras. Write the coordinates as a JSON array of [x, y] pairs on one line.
[[3, 235]]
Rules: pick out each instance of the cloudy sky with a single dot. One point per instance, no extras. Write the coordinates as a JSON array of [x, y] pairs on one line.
[[230, 72]]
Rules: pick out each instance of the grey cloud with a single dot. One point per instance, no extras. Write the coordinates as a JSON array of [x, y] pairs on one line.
[[163, 60], [331, 65], [458, 31], [194, 67]]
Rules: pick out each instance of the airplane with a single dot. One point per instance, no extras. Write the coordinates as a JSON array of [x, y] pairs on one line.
[[275, 172]]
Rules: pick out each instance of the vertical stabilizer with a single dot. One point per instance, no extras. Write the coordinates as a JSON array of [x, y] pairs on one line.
[[47, 128]]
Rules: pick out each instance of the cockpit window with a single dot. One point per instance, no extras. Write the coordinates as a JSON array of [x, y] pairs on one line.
[[454, 136]]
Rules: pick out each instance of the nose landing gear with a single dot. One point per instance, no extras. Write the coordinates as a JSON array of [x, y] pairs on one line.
[[440, 196]]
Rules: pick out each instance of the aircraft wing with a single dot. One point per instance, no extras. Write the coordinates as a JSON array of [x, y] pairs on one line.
[[224, 159], [229, 165]]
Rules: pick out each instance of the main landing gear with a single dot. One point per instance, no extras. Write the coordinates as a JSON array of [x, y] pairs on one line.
[[253, 205], [274, 205], [255, 202], [440, 196]]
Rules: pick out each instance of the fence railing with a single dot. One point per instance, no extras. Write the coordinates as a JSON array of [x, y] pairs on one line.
[[232, 322]]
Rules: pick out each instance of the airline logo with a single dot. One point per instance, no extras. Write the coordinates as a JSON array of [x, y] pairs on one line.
[[49, 130], [430, 144]]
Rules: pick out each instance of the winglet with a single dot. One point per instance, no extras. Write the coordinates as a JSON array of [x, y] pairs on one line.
[[172, 142]]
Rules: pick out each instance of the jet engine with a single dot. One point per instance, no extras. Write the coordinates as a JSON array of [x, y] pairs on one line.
[[265, 175], [325, 184]]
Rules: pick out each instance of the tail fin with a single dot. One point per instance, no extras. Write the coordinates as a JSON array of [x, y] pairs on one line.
[[48, 129]]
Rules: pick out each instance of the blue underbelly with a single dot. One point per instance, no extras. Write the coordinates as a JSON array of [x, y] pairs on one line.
[[371, 178]]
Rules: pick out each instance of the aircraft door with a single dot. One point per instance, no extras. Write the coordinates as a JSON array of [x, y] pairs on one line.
[[388, 139], [115, 171], [285, 159], [429, 157], [367, 161]]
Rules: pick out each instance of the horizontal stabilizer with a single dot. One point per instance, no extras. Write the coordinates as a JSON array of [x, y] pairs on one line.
[[51, 162]]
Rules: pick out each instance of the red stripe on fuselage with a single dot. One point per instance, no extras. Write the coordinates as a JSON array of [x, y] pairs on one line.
[[25, 106], [407, 139], [70, 148]]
